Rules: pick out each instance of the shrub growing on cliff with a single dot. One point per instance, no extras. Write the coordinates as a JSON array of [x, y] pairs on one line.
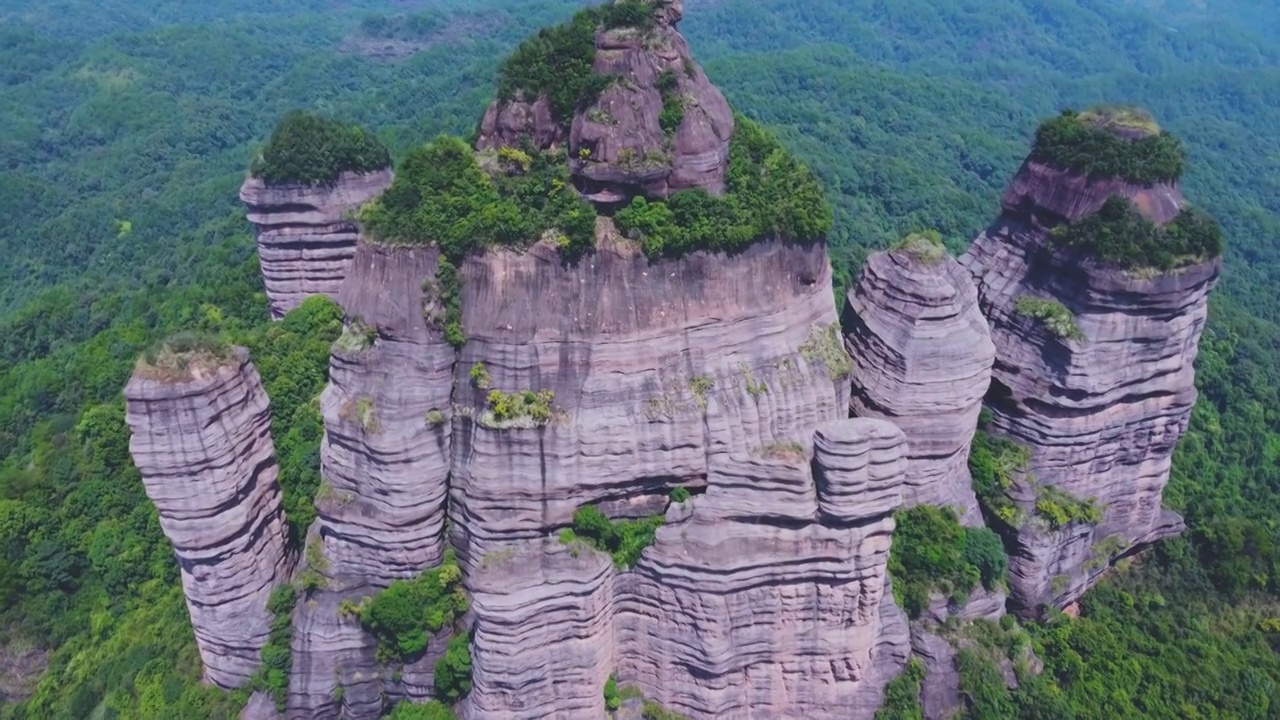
[[902, 696], [1120, 235], [277, 655], [993, 463], [1058, 508], [1081, 144], [932, 551], [433, 710], [403, 616], [452, 673], [1056, 318], [311, 150], [769, 194], [625, 540]]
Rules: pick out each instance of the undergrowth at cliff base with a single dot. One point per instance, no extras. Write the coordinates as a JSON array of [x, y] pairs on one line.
[[308, 149], [405, 615], [624, 540], [1082, 143], [1120, 235], [933, 552]]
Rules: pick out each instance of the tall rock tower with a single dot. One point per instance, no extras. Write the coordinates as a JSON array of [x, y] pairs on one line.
[[1095, 280], [202, 442], [922, 357]]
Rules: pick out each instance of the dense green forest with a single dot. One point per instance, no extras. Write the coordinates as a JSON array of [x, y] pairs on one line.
[[129, 125]]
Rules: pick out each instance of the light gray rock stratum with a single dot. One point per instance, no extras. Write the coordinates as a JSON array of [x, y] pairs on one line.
[[922, 358], [202, 443], [306, 238], [1101, 414]]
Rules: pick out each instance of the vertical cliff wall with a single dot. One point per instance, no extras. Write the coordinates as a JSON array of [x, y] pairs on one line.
[[767, 596], [1094, 375], [306, 238], [922, 358], [660, 372], [201, 440]]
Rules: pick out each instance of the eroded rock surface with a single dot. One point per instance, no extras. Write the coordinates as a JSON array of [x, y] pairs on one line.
[[620, 145], [922, 358], [1102, 411], [202, 443], [768, 596], [306, 238]]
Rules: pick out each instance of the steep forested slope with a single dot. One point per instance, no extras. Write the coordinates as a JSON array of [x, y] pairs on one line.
[[129, 125]]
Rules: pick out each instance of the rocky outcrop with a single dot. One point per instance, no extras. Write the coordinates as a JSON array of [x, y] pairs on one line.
[[622, 144], [1100, 405], [201, 440], [662, 372], [922, 358], [306, 238], [767, 596]]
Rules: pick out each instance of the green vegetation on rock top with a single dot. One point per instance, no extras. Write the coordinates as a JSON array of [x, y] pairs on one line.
[[770, 195], [1120, 235], [308, 149], [624, 540], [447, 194], [1091, 144], [557, 63], [924, 247]]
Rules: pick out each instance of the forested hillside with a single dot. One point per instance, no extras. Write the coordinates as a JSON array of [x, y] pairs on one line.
[[129, 125]]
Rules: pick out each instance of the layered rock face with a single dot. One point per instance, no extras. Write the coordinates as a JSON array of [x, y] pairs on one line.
[[922, 358], [660, 371], [767, 596], [306, 238], [622, 145], [385, 465], [201, 440], [1101, 411]]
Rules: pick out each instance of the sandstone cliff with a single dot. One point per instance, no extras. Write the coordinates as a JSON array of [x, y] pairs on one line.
[[922, 358], [659, 128], [306, 238], [1100, 395], [201, 440], [767, 597]]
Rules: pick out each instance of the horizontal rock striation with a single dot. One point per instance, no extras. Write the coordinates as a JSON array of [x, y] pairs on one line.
[[202, 442], [922, 358], [306, 238], [384, 467], [767, 597], [658, 369], [1100, 409], [543, 646]]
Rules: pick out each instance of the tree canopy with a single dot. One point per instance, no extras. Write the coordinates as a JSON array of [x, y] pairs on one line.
[[308, 149]]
